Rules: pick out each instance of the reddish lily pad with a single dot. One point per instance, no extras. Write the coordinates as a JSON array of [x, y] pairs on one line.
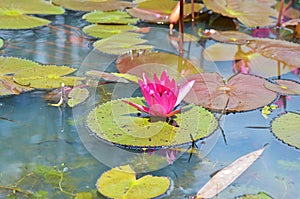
[[138, 64], [286, 87], [283, 51], [258, 63], [250, 13], [90, 5], [156, 11], [232, 37], [240, 93]]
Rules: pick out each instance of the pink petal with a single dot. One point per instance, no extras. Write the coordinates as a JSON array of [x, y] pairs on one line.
[[183, 91], [173, 112], [157, 110], [137, 106]]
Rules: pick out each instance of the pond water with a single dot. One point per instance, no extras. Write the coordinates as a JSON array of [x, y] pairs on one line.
[[40, 138]]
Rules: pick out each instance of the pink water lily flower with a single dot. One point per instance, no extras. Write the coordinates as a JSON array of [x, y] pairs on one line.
[[162, 95]]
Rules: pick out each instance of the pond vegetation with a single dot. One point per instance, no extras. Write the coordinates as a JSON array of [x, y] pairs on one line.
[[150, 98]]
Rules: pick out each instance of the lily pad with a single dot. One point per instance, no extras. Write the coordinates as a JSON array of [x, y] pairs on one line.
[[11, 65], [240, 93], [122, 43], [1, 43], [119, 123], [232, 37], [77, 96], [91, 5], [114, 17], [286, 87], [9, 87], [286, 128], [137, 64], [260, 195], [156, 11], [45, 77], [258, 64], [13, 14], [120, 182], [104, 31], [251, 13], [283, 51]]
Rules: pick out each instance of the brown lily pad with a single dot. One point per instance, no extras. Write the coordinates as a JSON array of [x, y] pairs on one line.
[[283, 51], [285, 87], [251, 13], [232, 37], [240, 93], [138, 64], [156, 11]]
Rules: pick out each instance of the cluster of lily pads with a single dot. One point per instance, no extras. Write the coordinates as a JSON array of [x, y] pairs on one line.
[[167, 122]]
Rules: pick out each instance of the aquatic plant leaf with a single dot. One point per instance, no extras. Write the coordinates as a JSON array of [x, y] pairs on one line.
[[148, 187], [249, 12], [13, 14], [286, 128], [120, 182], [258, 64], [113, 17], [45, 77], [137, 64], [9, 87], [283, 51], [156, 11], [1, 43], [77, 96], [91, 5], [104, 31], [286, 87], [11, 65], [232, 37], [29, 7], [223, 178], [260, 195], [121, 43], [84, 195], [240, 93], [112, 77], [119, 123]]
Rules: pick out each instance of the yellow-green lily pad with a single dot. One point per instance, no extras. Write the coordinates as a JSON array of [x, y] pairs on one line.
[[122, 43], [119, 123], [77, 96], [260, 195], [46, 77], [114, 17], [286, 128], [13, 13], [121, 183], [90, 5], [1, 43], [104, 31], [11, 65]]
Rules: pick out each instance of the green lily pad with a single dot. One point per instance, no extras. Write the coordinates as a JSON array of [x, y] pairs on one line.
[[114, 17], [77, 96], [104, 31], [121, 43], [121, 182], [1, 43], [119, 123], [45, 77], [286, 128], [13, 14], [90, 5], [11, 65], [260, 195]]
